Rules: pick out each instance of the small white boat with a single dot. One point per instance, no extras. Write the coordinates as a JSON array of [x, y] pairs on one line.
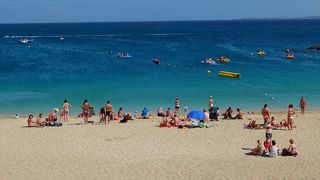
[[25, 41], [208, 61], [7, 36], [61, 38], [123, 55]]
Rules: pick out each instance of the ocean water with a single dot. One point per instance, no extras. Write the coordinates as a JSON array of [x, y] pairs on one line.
[[38, 76]]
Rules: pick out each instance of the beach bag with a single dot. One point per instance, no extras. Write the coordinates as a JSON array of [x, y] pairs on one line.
[[195, 123], [202, 125]]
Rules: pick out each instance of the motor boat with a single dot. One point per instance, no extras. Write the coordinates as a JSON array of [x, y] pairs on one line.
[[123, 55], [208, 61], [25, 41]]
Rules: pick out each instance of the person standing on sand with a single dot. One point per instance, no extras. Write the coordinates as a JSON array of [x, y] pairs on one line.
[[86, 106], [210, 103], [64, 116], [303, 104], [291, 112], [265, 113], [108, 112], [177, 105]]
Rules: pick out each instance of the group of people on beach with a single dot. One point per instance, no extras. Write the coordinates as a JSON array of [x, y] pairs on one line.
[[52, 118], [174, 119], [107, 113], [269, 147]]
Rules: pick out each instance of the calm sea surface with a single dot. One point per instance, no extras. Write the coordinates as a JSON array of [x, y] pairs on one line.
[[38, 76]]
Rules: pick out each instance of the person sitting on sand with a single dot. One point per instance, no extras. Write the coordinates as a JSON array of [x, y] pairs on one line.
[[170, 121], [228, 113], [214, 113], [274, 149], [169, 113], [126, 116], [52, 119], [265, 113], [120, 112], [53, 115], [283, 123], [165, 122], [274, 122], [31, 123], [254, 125], [160, 112], [206, 119], [145, 113], [258, 151], [291, 151], [175, 120], [40, 120], [267, 145], [291, 112], [240, 114]]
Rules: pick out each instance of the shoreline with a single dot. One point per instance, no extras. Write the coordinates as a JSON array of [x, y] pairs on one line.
[[256, 112]]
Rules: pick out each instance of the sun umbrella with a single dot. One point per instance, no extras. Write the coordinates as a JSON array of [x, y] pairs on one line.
[[196, 115]]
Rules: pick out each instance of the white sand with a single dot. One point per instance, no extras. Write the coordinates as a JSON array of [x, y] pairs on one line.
[[140, 150]]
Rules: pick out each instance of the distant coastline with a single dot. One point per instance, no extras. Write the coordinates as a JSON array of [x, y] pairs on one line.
[[167, 21]]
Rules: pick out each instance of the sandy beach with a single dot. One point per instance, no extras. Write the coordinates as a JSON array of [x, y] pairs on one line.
[[141, 150]]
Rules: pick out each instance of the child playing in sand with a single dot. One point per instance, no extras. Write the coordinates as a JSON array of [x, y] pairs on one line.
[[258, 150], [291, 151]]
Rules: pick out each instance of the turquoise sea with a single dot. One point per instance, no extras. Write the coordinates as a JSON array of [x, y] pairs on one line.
[[38, 76]]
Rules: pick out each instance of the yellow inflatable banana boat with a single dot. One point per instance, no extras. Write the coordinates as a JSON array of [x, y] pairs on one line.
[[229, 74]]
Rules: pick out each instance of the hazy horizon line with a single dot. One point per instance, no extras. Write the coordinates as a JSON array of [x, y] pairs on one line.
[[196, 20]]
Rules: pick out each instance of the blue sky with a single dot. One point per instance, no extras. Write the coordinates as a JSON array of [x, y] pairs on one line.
[[22, 11]]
